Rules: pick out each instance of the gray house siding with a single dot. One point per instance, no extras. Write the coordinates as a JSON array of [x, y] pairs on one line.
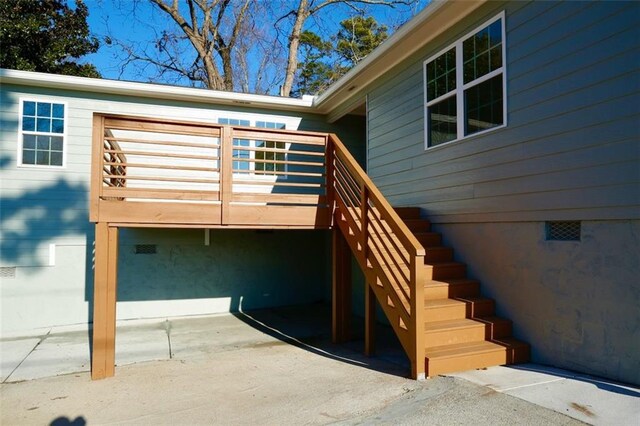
[[45, 233], [570, 151], [570, 147]]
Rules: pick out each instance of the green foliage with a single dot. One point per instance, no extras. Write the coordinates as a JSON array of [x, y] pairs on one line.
[[357, 37], [323, 62], [45, 36]]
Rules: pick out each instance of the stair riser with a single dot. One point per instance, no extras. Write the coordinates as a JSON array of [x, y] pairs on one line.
[[441, 254], [418, 225], [454, 336], [498, 330], [408, 212], [430, 240], [448, 365], [468, 310], [445, 313], [443, 272], [470, 289], [482, 308]]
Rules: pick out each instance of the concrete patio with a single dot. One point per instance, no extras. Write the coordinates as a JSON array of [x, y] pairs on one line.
[[278, 367]]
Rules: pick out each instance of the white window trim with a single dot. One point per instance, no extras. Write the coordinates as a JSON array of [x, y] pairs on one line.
[[65, 145], [461, 87]]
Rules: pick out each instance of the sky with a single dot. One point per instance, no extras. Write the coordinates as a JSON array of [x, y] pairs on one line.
[[119, 19]]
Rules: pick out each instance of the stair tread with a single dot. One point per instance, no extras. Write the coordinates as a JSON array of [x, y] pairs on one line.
[[454, 301], [463, 349], [441, 303], [449, 281], [436, 326]]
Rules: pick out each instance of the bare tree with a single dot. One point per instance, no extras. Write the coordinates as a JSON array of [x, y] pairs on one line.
[[233, 44]]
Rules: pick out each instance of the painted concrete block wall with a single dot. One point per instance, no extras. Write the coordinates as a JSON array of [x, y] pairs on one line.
[[45, 207], [575, 302]]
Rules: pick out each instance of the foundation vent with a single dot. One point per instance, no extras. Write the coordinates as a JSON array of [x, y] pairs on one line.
[[7, 272], [563, 231], [145, 249]]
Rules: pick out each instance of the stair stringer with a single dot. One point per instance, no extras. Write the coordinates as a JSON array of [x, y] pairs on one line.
[[391, 305]]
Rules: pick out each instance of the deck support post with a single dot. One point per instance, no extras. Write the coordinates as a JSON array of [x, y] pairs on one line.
[[104, 301], [341, 289], [369, 321]]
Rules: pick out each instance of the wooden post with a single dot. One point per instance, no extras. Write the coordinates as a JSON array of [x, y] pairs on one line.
[[417, 314], [369, 321], [341, 289], [226, 172], [104, 301]]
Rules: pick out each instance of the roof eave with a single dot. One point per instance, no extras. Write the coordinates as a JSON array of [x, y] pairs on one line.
[[150, 90], [432, 21]]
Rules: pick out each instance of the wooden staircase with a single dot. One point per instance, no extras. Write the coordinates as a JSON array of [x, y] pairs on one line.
[[460, 326]]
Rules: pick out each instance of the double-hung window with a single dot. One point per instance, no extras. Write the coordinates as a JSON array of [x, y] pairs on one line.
[[42, 130], [465, 86], [260, 157]]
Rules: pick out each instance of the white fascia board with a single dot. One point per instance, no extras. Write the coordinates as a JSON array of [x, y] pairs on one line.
[[432, 21], [149, 90]]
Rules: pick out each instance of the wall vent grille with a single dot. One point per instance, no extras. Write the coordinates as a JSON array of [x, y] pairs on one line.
[[563, 231], [146, 249], [8, 272]]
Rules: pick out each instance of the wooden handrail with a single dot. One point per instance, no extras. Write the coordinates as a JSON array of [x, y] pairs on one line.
[[389, 254]]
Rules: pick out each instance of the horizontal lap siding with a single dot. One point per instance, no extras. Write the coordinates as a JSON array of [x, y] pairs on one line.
[[571, 148], [43, 206]]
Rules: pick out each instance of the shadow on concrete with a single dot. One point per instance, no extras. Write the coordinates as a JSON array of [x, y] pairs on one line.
[[309, 328], [603, 384]]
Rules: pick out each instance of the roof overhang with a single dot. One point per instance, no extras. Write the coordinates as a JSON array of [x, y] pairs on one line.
[[154, 91], [432, 21]]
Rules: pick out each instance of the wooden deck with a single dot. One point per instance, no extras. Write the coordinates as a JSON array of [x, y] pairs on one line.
[[159, 173]]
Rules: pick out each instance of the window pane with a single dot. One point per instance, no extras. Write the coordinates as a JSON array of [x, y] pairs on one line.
[[29, 124], [42, 157], [57, 126], [29, 108], [483, 106], [442, 121], [56, 143], [29, 141], [441, 73], [44, 109], [58, 111], [482, 52], [56, 158], [28, 156], [43, 143], [43, 125]]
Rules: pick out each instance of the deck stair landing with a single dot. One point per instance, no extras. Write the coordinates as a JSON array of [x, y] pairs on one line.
[[461, 329]]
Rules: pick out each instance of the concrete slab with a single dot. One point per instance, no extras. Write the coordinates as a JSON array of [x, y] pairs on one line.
[[142, 342], [198, 337], [589, 399], [267, 385], [56, 354], [13, 352]]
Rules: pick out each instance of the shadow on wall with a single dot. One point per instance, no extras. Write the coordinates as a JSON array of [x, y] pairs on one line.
[[37, 216]]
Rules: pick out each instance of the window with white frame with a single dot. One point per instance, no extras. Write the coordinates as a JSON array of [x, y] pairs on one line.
[[465, 86], [42, 129], [268, 162]]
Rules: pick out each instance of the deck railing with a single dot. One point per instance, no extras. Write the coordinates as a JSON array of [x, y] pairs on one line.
[[199, 173], [389, 254]]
